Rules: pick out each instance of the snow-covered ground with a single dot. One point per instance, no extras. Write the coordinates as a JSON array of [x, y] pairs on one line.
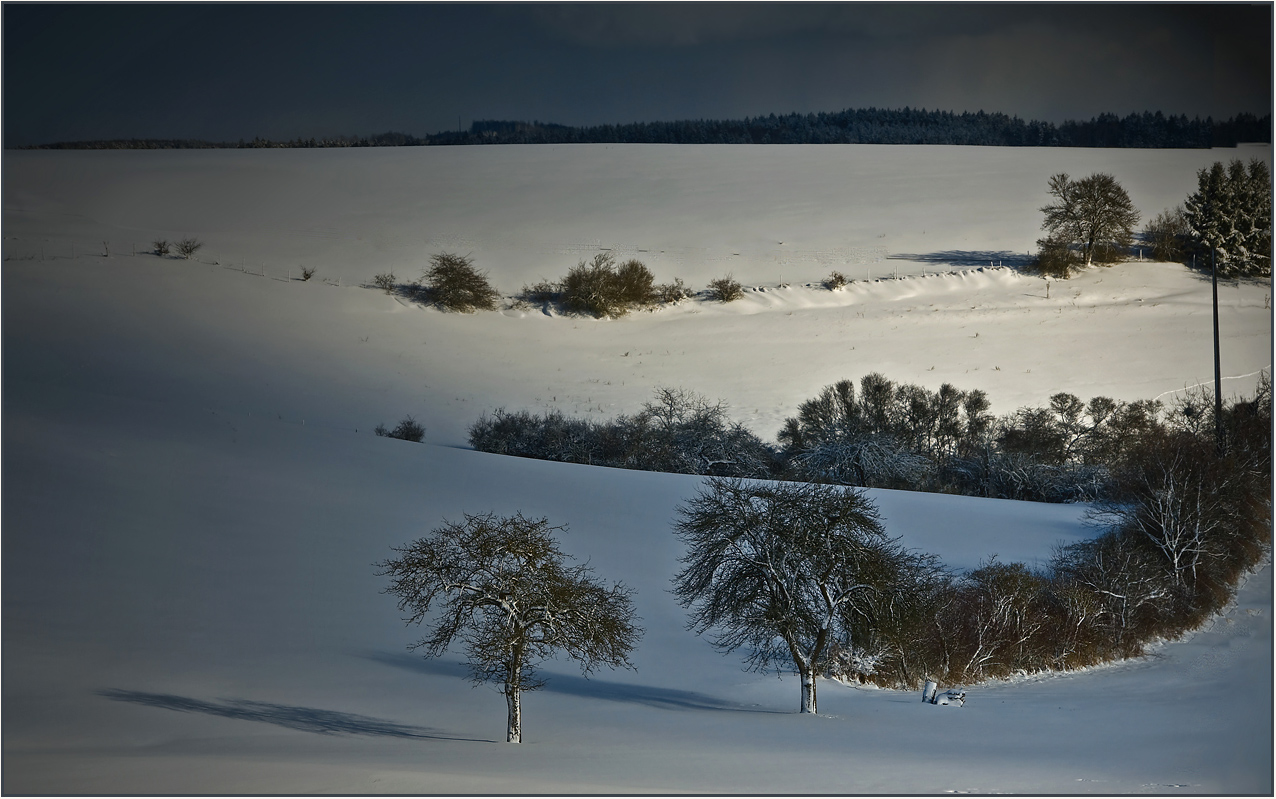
[[193, 499]]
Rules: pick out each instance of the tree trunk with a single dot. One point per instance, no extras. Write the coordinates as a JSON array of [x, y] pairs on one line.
[[514, 730], [808, 691]]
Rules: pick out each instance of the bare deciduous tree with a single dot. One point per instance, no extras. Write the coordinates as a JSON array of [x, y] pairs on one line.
[[501, 586], [779, 569], [1094, 214]]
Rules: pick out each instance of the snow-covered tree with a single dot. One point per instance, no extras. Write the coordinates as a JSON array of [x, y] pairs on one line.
[[1231, 211], [1094, 214], [502, 587], [779, 569]]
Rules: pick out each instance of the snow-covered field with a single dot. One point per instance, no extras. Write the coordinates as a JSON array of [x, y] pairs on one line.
[[193, 499]]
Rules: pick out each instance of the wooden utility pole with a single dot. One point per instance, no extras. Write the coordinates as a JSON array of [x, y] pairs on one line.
[[1218, 379]]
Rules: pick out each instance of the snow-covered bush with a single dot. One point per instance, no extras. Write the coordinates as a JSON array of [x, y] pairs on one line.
[[679, 432]]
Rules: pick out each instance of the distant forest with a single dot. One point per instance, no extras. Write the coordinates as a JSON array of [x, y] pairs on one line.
[[852, 126]]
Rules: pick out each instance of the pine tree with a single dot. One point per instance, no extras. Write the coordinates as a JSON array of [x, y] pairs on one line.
[[1231, 212]]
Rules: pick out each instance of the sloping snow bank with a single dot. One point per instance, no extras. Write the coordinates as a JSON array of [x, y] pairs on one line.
[[190, 605], [190, 518]]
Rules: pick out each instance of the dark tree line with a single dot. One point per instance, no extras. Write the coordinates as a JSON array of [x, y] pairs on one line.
[[879, 434], [678, 431], [851, 126]]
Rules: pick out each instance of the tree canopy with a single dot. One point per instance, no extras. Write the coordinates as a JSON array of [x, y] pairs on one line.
[[1231, 211], [784, 570], [502, 588], [1093, 215]]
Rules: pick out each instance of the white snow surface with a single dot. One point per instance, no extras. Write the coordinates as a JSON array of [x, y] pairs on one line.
[[194, 501]]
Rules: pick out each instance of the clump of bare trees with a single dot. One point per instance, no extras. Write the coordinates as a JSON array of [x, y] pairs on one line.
[[408, 429], [678, 431], [1168, 234], [501, 587]]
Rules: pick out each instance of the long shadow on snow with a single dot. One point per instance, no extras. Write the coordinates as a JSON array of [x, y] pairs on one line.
[[305, 719], [572, 685], [967, 258]]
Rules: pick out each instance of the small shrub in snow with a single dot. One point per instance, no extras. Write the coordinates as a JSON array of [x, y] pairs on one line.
[[406, 430], [541, 293], [162, 247], [835, 281], [600, 288], [188, 247], [725, 289], [1055, 258], [674, 292], [307, 272], [384, 281], [453, 283]]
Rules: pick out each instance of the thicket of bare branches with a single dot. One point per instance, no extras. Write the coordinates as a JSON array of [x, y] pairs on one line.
[[725, 289], [453, 282], [678, 431], [186, 247], [1179, 517], [408, 429]]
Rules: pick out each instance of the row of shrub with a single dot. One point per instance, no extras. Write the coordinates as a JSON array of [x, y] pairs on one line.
[[883, 435], [1180, 516], [679, 432], [1179, 528], [597, 288]]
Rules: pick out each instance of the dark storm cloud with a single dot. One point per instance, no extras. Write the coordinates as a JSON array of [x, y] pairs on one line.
[[242, 70]]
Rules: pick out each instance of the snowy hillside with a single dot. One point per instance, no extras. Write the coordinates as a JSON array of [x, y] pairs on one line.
[[194, 498]]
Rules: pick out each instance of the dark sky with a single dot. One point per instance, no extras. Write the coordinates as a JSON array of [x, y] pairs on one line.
[[231, 71]]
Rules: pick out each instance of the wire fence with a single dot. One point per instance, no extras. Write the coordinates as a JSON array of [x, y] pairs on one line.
[[53, 250]]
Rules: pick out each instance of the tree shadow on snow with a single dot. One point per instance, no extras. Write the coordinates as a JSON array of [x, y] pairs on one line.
[[573, 685], [305, 719], [966, 258]]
